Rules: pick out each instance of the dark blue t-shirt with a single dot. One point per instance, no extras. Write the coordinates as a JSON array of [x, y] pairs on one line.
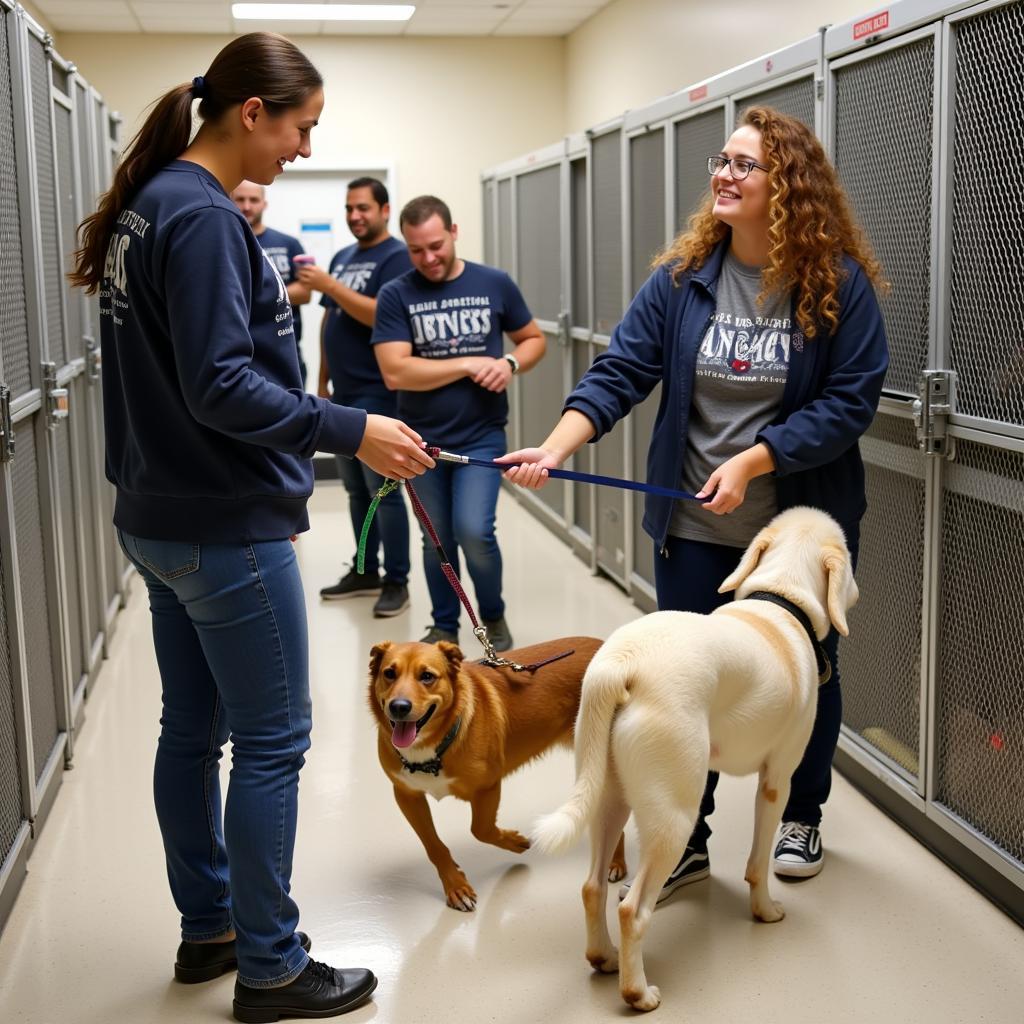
[[281, 248], [463, 317], [354, 370], [209, 432]]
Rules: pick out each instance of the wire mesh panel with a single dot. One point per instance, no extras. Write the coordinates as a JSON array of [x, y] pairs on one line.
[[980, 690], [643, 417], [490, 242], [986, 257], [579, 240], [646, 203], [66, 206], [794, 98], [606, 171], [582, 518], [52, 283], [10, 766], [14, 347], [884, 153], [541, 398], [111, 549], [696, 139], [881, 662], [505, 225], [87, 174], [85, 505], [539, 234], [610, 529], [69, 503], [32, 576]]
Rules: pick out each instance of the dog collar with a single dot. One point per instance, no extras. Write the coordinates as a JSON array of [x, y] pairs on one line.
[[433, 766], [824, 665]]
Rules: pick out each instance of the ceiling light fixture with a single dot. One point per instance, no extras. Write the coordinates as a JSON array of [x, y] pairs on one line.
[[323, 12]]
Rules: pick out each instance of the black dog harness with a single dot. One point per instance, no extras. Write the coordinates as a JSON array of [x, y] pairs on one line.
[[433, 766], [824, 665]]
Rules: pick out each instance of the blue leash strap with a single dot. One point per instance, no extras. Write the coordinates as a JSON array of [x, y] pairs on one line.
[[565, 474]]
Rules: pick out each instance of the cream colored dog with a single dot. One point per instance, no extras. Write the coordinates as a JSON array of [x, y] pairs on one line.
[[673, 695]]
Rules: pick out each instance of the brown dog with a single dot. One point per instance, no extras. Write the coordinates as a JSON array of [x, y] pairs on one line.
[[452, 727]]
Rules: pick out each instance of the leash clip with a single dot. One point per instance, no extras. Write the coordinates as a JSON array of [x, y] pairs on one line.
[[492, 658]]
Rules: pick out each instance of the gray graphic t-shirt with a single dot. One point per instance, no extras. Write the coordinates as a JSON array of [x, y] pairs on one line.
[[741, 372]]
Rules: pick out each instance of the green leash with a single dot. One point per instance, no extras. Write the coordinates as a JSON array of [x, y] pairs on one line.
[[389, 486]]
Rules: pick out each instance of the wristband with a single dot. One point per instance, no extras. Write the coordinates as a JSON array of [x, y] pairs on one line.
[[513, 362]]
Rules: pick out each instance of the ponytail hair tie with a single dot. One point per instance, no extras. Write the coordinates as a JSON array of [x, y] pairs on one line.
[[199, 86]]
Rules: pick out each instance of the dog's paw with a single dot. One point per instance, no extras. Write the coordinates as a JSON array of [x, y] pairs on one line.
[[617, 871], [605, 963], [768, 911], [513, 841], [461, 896], [648, 999]]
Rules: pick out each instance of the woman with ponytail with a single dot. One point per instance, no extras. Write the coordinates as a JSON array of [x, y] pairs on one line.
[[760, 322], [209, 437]]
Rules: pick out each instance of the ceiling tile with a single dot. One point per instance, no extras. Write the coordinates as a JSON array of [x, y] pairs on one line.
[[363, 28], [84, 9]]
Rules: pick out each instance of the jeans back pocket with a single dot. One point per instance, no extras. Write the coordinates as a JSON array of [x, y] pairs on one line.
[[167, 559]]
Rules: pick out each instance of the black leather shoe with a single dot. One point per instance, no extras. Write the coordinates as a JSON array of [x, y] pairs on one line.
[[319, 991], [204, 961]]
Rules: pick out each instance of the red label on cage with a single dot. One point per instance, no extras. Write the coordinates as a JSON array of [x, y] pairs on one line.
[[698, 94], [869, 26]]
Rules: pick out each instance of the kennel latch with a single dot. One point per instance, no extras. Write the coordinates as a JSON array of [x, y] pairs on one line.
[[936, 390], [6, 428]]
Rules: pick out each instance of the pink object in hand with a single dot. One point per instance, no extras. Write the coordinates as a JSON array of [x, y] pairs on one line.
[[304, 259]]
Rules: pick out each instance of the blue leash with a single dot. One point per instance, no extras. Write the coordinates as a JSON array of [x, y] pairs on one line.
[[565, 474]]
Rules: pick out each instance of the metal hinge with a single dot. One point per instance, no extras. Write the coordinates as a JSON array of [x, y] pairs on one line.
[[56, 398], [564, 328], [93, 358], [936, 394], [6, 428], [819, 87]]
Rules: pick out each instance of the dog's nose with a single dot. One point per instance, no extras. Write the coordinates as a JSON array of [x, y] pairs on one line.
[[399, 709]]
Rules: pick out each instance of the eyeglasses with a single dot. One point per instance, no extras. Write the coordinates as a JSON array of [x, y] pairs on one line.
[[739, 167]]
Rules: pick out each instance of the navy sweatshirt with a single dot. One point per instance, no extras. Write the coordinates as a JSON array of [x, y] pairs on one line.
[[209, 432], [830, 398]]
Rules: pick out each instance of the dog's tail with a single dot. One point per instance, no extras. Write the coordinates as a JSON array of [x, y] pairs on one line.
[[605, 690]]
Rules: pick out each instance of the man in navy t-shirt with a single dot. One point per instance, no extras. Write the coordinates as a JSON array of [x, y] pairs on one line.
[[251, 199], [347, 362], [438, 337]]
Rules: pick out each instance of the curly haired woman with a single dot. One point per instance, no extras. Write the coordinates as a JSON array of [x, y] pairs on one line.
[[761, 324]]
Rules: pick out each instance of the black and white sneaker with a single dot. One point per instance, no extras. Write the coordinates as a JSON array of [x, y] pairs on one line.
[[798, 853], [692, 867]]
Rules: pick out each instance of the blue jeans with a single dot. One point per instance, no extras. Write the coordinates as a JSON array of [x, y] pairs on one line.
[[462, 502], [687, 581], [390, 524], [229, 627]]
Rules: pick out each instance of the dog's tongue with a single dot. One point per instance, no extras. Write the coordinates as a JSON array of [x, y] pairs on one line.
[[404, 734]]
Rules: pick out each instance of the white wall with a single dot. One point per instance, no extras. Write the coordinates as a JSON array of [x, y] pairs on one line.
[[634, 51], [437, 111]]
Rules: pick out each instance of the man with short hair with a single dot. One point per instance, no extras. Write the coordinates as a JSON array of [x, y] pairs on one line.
[[347, 362], [438, 340], [282, 249]]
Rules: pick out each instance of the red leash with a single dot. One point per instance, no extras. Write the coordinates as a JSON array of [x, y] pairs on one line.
[[452, 577]]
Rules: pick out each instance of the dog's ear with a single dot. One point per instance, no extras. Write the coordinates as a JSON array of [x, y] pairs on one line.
[[377, 653], [748, 563], [842, 588], [452, 653]]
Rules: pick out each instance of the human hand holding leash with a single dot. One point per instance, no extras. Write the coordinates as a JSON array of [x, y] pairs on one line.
[[727, 486], [532, 474], [392, 449]]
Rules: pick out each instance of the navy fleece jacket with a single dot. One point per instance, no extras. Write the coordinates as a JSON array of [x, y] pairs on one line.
[[209, 432]]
